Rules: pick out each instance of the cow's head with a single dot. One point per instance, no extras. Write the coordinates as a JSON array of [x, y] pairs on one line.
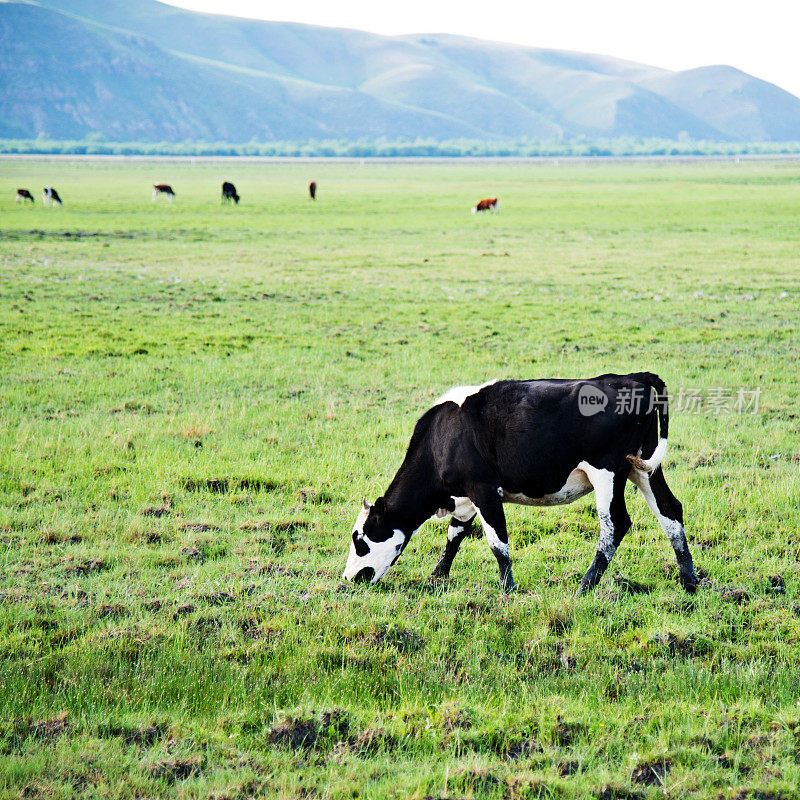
[[376, 544]]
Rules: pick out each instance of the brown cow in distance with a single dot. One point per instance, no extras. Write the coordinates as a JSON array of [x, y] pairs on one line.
[[23, 195], [487, 204], [312, 190]]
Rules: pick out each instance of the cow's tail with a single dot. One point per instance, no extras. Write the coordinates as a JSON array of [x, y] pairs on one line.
[[659, 400]]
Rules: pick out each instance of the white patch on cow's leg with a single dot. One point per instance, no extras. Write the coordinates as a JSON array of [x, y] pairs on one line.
[[608, 507], [673, 528], [496, 536], [495, 542], [155, 194], [458, 394], [454, 531], [670, 519], [602, 481]]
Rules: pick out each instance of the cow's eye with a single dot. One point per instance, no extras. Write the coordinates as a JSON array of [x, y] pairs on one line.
[[362, 548]]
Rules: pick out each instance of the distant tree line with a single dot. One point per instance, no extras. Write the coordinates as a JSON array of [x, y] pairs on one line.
[[389, 148]]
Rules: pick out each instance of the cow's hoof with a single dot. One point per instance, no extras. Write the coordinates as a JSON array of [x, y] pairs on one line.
[[689, 585]]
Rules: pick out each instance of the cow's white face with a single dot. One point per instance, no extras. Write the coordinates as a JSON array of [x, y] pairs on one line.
[[375, 545]]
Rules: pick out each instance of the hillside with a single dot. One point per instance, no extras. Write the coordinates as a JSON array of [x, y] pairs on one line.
[[145, 70]]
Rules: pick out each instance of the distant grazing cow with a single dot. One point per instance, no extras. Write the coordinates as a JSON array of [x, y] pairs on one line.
[[50, 197], [312, 190], [163, 188], [537, 443], [229, 193], [23, 195], [487, 204]]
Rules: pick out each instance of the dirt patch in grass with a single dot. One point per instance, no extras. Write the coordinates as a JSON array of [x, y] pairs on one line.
[[629, 586], [223, 485], [677, 644], [475, 607], [402, 639], [59, 537], [294, 733], [565, 733], [618, 793], [776, 584], [87, 567], [198, 527], [219, 598], [523, 748], [372, 741], [133, 407], [176, 770], [455, 719], [479, 781], [50, 728], [193, 553], [559, 621], [156, 511], [310, 496], [144, 736], [111, 610], [731, 594], [652, 773], [273, 526], [567, 768], [204, 629]]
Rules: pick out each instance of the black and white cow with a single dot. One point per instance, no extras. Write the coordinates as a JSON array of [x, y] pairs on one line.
[[23, 195], [163, 189], [535, 442], [229, 193], [50, 197]]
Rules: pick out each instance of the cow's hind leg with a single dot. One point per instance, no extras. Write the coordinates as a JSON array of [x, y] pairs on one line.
[[489, 506], [457, 531], [609, 489], [669, 513]]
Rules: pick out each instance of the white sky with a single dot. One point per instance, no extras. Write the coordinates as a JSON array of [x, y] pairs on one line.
[[762, 38]]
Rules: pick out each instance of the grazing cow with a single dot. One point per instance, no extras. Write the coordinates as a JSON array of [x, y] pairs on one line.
[[535, 442], [50, 197], [229, 193], [23, 195], [163, 188], [487, 204], [312, 190]]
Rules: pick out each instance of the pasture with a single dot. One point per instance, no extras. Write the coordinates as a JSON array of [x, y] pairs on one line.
[[194, 398]]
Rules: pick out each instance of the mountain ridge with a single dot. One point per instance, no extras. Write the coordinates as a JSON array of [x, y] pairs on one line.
[[143, 69]]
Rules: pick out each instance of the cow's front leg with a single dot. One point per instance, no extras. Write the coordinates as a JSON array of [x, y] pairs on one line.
[[609, 492], [457, 531], [489, 505]]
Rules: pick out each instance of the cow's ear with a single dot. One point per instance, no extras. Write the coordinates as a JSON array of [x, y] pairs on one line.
[[367, 506], [380, 507]]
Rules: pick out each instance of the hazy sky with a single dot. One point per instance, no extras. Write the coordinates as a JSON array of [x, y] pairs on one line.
[[762, 38]]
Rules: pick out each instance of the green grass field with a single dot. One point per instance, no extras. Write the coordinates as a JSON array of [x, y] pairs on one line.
[[195, 398]]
